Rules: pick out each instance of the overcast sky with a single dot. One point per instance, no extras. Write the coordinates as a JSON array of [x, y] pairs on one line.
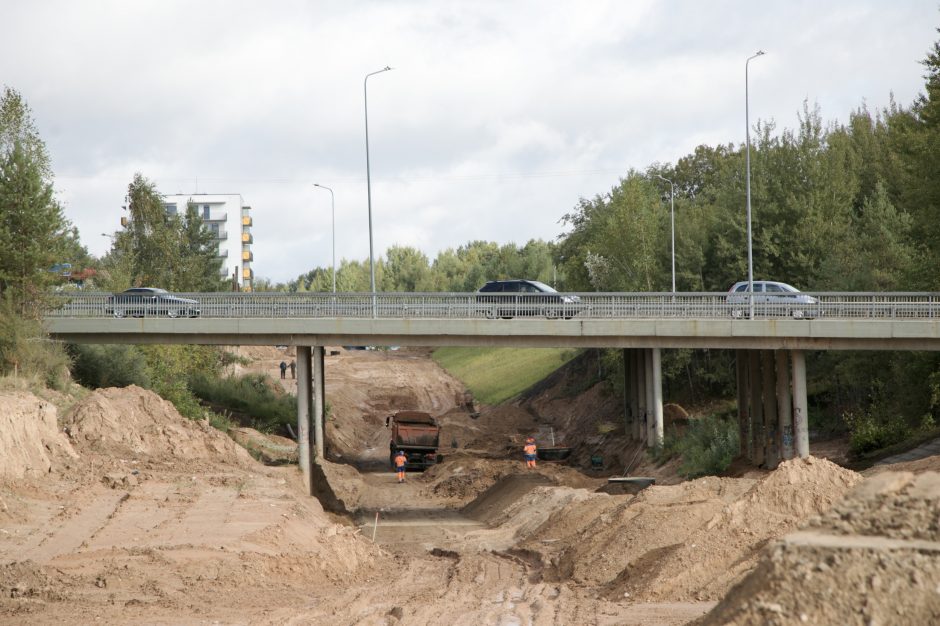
[[497, 117]]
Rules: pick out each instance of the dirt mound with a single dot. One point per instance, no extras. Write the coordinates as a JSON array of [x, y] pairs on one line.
[[30, 440], [132, 422], [852, 565], [598, 539], [720, 552]]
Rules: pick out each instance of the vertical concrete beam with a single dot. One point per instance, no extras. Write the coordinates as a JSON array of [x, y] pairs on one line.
[[757, 408], [800, 406], [784, 406], [319, 400], [635, 386], [657, 397], [627, 417], [744, 414], [768, 386], [650, 399], [642, 406], [304, 427]]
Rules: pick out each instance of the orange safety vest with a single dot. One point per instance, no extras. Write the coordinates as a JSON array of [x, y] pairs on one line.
[[529, 448], [400, 460]]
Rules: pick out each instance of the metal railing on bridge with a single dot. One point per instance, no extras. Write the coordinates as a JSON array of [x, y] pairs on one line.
[[564, 306]]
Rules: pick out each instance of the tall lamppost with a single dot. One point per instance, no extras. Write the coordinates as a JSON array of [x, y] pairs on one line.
[[672, 219], [333, 213], [365, 99], [747, 161]]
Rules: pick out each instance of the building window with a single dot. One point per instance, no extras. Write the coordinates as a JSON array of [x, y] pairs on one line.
[[214, 229], [205, 212], [170, 208]]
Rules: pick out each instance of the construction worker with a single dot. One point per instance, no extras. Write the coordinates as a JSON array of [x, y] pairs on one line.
[[530, 452], [400, 460]]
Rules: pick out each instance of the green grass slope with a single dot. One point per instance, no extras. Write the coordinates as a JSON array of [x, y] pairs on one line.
[[494, 375]]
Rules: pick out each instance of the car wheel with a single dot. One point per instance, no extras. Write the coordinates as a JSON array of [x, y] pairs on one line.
[[172, 313], [737, 314], [118, 314]]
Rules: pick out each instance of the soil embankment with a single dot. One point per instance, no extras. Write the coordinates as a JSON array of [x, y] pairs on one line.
[[120, 510]]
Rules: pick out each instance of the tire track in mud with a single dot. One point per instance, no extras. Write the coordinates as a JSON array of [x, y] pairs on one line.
[[75, 532]]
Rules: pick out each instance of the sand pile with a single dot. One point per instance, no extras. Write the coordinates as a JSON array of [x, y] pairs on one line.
[[30, 440], [136, 423], [874, 558], [594, 541], [719, 553]]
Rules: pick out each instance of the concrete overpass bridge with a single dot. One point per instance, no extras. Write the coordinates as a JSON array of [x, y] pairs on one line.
[[769, 343]]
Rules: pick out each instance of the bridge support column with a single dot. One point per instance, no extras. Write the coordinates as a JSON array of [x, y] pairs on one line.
[[628, 415], [304, 430], [319, 400], [650, 398], [784, 406], [744, 415], [768, 388], [656, 358], [756, 407], [800, 414], [639, 357], [635, 395]]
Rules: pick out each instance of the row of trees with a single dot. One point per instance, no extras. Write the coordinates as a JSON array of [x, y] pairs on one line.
[[408, 269]]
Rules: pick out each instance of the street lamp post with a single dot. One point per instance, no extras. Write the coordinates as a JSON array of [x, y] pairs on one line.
[[747, 161], [333, 213], [672, 219], [365, 99]]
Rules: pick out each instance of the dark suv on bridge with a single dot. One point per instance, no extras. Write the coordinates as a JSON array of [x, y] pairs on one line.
[[520, 297], [150, 302]]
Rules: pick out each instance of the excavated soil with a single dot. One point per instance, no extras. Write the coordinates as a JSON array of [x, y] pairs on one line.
[[874, 558], [120, 510]]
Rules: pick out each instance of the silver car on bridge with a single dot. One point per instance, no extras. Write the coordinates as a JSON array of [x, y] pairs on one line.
[[772, 298]]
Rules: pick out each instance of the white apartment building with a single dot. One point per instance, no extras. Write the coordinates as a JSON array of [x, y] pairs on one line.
[[228, 218]]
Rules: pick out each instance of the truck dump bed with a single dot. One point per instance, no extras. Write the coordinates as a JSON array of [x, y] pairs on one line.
[[418, 434]]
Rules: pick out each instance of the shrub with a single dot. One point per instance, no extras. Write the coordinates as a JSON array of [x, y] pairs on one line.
[[868, 433], [706, 447], [98, 366], [250, 396], [25, 350]]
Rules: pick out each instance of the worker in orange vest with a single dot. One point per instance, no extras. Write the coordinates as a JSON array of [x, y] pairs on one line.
[[530, 452], [400, 461]]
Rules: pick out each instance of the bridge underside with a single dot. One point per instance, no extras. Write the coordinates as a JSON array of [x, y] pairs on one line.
[[728, 334]]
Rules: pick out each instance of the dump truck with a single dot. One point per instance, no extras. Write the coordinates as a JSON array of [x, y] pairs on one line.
[[418, 434]]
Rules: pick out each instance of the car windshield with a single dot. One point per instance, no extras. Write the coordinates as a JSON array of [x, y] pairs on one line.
[[542, 286]]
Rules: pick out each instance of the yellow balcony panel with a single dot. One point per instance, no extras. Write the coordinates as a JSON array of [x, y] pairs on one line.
[[247, 256], [247, 273], [246, 220], [246, 238]]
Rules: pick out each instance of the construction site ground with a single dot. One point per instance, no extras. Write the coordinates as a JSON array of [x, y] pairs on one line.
[[115, 509]]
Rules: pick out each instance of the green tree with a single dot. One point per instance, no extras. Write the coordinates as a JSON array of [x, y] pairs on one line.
[[32, 228], [406, 269], [199, 267]]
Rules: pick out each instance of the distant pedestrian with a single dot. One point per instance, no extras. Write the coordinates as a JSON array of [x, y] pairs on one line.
[[530, 452], [293, 369], [283, 367], [400, 460]]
